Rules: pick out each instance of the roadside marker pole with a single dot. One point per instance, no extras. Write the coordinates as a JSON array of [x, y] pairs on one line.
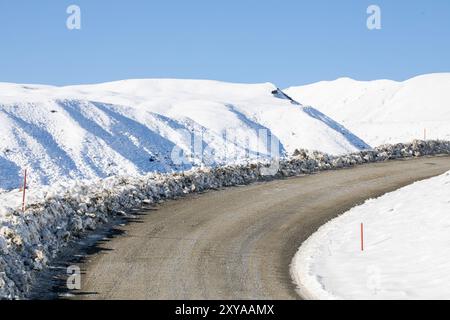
[[24, 190], [425, 134], [362, 237]]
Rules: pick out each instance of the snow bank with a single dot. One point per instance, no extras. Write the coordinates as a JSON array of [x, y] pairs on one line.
[[406, 248], [58, 213], [384, 111]]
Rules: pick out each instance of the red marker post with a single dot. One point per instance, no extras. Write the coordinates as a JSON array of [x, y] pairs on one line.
[[24, 190], [362, 237]]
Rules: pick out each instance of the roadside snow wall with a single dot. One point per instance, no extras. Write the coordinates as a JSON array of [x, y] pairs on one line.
[[28, 240]]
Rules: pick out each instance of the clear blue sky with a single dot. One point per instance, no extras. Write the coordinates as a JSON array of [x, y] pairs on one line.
[[286, 42]]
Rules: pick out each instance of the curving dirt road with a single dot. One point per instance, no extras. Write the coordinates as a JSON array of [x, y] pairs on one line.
[[236, 243]]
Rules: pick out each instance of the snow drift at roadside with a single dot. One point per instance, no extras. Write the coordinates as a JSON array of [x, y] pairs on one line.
[[405, 251]]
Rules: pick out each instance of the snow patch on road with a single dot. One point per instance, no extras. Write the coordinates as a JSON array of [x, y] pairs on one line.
[[406, 248]]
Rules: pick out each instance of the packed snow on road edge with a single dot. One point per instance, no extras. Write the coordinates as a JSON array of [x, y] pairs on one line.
[[406, 239]]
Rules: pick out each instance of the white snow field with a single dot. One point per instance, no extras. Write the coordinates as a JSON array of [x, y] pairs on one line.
[[133, 126], [384, 111], [406, 252]]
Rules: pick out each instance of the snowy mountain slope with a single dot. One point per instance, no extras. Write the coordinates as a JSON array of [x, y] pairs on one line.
[[405, 255], [137, 126], [384, 111]]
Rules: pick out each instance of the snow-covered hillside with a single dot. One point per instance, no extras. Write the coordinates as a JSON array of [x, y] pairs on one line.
[[405, 255], [384, 111], [137, 126]]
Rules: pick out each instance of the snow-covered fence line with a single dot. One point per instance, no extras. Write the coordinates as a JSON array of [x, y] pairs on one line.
[[28, 240]]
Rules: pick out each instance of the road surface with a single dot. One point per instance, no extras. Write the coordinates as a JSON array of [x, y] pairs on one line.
[[235, 243]]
